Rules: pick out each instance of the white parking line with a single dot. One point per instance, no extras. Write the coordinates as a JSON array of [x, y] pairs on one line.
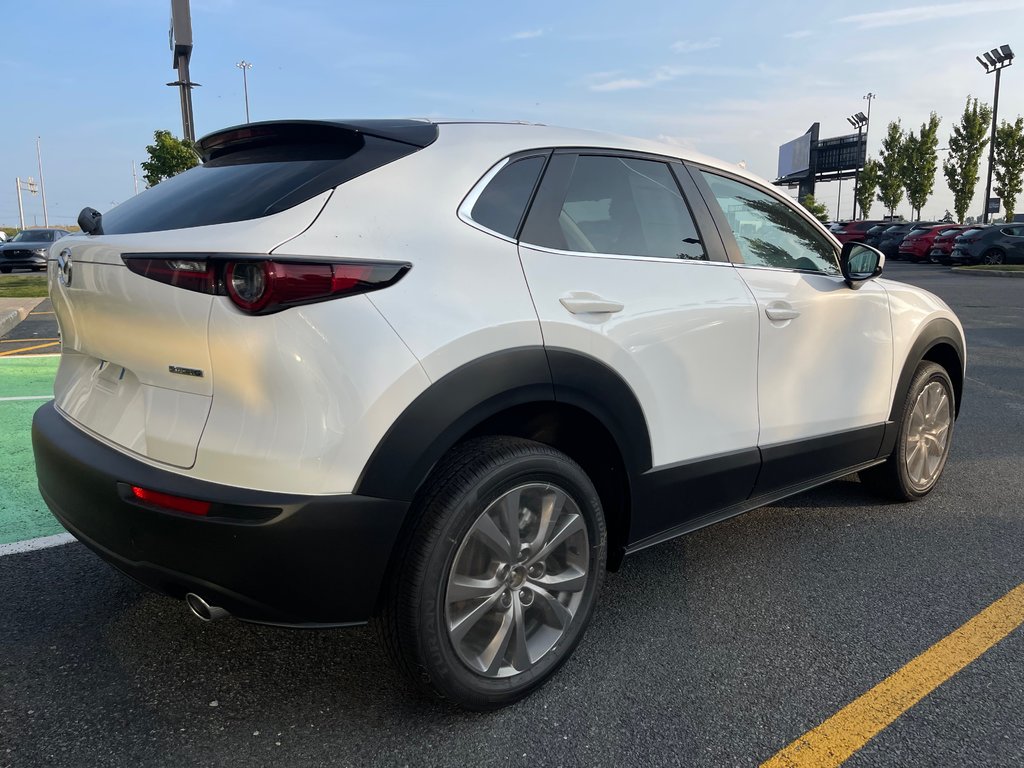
[[43, 542], [26, 397]]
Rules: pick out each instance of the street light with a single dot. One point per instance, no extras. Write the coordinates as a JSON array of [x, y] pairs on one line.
[[858, 121], [996, 61], [245, 66]]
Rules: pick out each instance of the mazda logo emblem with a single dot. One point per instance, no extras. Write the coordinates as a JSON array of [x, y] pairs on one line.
[[64, 266]]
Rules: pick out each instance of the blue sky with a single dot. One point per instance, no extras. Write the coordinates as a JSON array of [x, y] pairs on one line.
[[731, 79]]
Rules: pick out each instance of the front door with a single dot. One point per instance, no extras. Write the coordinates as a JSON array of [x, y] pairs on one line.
[[825, 352]]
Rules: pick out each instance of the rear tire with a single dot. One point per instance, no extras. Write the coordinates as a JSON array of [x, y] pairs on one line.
[[993, 256], [5, 270], [923, 441], [498, 576]]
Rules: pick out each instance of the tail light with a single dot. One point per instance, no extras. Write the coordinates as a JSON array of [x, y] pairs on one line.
[[260, 285], [167, 501]]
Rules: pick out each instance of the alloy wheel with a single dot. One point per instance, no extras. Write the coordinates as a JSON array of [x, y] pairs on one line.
[[517, 580]]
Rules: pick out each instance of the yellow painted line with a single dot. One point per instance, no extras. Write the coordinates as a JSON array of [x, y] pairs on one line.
[[41, 313], [23, 341], [838, 738], [28, 349]]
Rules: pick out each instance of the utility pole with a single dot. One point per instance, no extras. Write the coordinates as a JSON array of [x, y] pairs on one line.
[[135, 178], [30, 186], [42, 186], [245, 66]]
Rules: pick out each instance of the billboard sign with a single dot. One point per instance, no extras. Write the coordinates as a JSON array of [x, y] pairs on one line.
[[795, 156], [841, 153], [180, 32]]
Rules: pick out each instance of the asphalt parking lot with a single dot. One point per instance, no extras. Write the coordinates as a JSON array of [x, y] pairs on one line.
[[719, 648]]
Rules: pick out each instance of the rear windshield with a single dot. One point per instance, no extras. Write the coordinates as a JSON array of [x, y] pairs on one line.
[[251, 183]]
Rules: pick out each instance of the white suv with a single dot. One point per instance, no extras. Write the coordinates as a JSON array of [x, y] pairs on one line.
[[444, 375]]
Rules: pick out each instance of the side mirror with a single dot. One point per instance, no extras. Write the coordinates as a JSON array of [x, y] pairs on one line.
[[860, 262]]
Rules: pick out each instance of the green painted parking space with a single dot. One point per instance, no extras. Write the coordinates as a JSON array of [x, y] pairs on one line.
[[23, 515]]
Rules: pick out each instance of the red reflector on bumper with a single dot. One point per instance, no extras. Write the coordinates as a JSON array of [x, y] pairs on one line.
[[165, 500]]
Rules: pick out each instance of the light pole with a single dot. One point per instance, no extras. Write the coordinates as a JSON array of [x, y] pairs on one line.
[[245, 66], [858, 121], [996, 61]]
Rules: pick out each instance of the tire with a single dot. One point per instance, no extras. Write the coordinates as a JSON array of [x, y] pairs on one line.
[[5, 270], [908, 475], [451, 548], [993, 256]]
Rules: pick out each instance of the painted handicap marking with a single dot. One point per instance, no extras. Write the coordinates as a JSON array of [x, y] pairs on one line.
[[23, 514]]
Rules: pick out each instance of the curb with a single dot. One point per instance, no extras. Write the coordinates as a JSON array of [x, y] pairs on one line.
[[988, 272], [8, 320]]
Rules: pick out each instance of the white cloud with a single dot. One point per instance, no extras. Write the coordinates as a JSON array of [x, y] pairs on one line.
[[667, 74], [919, 13], [798, 34], [691, 46], [528, 34]]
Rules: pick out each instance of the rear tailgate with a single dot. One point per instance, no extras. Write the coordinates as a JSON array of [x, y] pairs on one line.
[[135, 367]]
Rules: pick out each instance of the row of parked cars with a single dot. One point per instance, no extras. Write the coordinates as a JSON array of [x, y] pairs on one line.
[[938, 242]]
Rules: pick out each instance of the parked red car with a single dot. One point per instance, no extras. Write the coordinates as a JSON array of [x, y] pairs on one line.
[[942, 246], [854, 230], [917, 245]]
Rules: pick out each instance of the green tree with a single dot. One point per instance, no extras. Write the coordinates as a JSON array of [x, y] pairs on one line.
[[966, 145], [867, 183], [1009, 165], [890, 176], [920, 162], [168, 156], [817, 209]]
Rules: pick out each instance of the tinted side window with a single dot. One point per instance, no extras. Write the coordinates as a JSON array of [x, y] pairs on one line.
[[502, 204], [620, 205], [768, 232]]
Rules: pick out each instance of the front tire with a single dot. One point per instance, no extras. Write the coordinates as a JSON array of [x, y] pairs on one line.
[[924, 438], [499, 573]]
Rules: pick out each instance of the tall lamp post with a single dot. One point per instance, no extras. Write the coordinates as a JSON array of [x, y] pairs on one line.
[[858, 121], [245, 66], [996, 61]]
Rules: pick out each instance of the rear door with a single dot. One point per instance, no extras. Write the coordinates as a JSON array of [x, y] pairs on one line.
[[623, 270], [825, 352]]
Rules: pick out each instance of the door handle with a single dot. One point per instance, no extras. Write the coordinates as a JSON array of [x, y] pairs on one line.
[[781, 310], [585, 302]]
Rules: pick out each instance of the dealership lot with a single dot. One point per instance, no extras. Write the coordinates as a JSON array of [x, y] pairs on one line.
[[716, 649]]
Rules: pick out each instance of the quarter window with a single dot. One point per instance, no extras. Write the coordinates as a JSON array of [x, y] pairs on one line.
[[501, 205], [769, 232], [618, 205]]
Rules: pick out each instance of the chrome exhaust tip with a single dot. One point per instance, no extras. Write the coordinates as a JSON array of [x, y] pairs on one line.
[[202, 609]]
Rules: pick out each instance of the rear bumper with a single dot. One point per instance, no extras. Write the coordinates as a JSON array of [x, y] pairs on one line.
[[311, 560]]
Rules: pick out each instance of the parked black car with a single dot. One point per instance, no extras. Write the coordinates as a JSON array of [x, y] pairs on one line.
[[28, 248], [998, 244], [889, 243], [875, 233]]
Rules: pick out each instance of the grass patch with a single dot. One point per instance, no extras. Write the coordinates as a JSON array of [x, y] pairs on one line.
[[996, 268], [23, 287]]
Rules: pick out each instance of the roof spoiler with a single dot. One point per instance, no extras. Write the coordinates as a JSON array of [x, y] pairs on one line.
[[416, 133]]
